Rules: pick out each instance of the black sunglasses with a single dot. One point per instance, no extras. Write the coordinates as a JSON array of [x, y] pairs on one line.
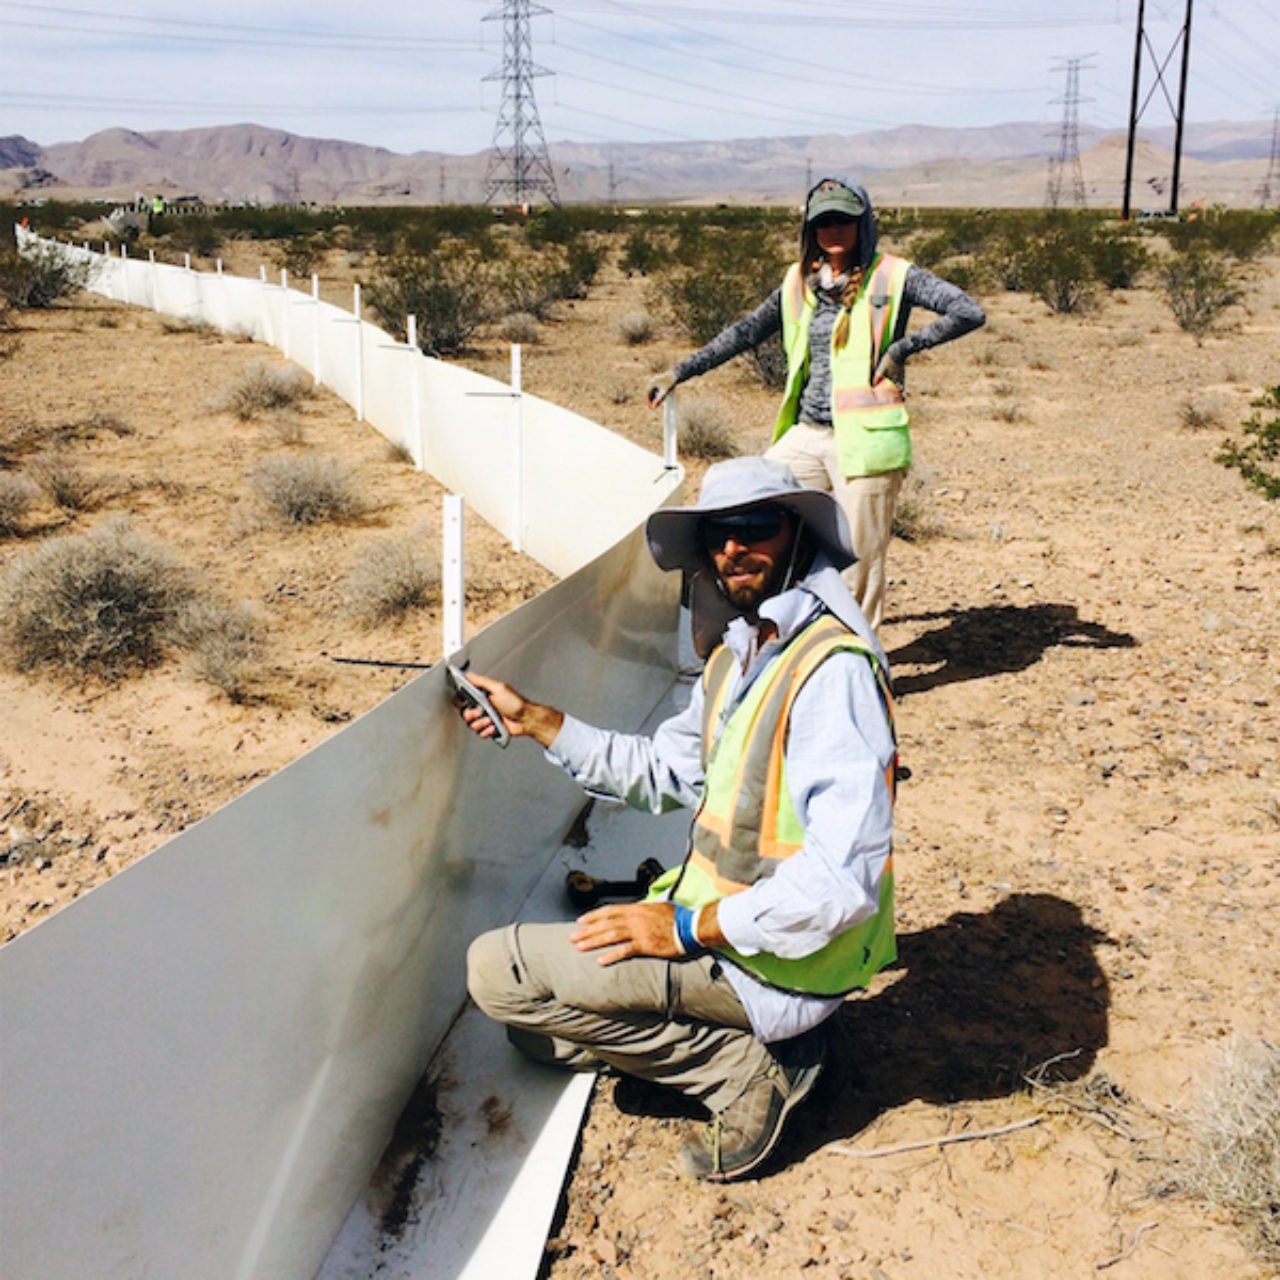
[[750, 527]]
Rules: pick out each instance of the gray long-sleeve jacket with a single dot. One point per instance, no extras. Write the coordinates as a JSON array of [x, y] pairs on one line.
[[957, 313]]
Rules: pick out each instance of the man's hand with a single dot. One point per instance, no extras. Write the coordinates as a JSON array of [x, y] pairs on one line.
[[660, 388], [641, 929], [520, 717], [632, 929]]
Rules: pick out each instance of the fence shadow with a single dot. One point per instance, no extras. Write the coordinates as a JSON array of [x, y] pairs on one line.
[[991, 639], [982, 999]]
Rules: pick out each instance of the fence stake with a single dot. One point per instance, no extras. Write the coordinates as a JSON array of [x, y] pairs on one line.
[[415, 386], [222, 299], [284, 311], [315, 325], [517, 425], [669, 420], [454, 574], [124, 271], [268, 334], [359, 357], [155, 281]]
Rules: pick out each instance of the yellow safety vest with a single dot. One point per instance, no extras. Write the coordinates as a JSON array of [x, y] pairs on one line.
[[870, 422], [746, 824]]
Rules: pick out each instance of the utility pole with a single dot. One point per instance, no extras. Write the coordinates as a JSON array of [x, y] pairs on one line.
[[1068, 158], [519, 167], [1270, 188], [1142, 42]]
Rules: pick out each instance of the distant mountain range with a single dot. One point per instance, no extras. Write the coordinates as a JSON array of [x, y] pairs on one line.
[[913, 164]]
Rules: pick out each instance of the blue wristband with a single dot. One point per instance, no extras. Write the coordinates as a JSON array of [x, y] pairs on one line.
[[685, 934]]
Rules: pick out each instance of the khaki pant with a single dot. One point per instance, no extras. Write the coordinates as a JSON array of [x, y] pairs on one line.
[[868, 503], [679, 1023]]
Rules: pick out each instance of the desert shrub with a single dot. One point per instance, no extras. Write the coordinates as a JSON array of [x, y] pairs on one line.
[[398, 451], [718, 278], [389, 578], [307, 489], [197, 328], [1243, 234], [9, 341], [1058, 263], [641, 253], [931, 249], [301, 255], [1200, 410], [1257, 456], [228, 645], [914, 519], [1119, 256], [1199, 285], [38, 280], [521, 327], [448, 292], [704, 432], [193, 234], [17, 496], [1235, 1132], [635, 328], [583, 259], [103, 602], [262, 388], [68, 485]]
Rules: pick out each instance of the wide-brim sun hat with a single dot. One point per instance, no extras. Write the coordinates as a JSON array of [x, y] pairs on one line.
[[738, 485], [832, 196]]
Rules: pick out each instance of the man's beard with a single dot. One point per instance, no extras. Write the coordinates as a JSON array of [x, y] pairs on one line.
[[748, 596]]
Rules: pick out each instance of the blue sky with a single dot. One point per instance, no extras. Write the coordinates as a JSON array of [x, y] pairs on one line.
[[410, 77]]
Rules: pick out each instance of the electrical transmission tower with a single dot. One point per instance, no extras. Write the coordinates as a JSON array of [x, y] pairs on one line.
[[1064, 168], [1270, 188], [1179, 112], [519, 168]]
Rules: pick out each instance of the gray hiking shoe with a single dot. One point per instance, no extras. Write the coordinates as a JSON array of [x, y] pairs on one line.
[[740, 1138]]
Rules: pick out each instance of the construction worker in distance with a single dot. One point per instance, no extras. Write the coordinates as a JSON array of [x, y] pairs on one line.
[[721, 982], [842, 309]]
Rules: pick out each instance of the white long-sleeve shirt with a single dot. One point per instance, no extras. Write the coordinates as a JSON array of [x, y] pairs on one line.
[[838, 747]]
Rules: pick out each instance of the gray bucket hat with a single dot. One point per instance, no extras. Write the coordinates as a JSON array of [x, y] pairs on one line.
[[728, 488], [737, 485]]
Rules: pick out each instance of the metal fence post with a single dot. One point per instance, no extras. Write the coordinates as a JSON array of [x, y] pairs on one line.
[[453, 572]]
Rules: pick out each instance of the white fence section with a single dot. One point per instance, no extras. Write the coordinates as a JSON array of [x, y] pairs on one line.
[[557, 485], [202, 1059]]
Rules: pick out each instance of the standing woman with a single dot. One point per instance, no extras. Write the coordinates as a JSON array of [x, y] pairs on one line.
[[843, 311]]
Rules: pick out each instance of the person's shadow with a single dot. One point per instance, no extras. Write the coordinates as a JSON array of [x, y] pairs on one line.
[[983, 999], [990, 639]]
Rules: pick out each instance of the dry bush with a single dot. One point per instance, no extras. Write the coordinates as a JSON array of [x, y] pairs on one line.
[[1235, 1134], [68, 485], [398, 451], [17, 495], [1007, 411], [1200, 410], [289, 429], [1199, 286], [703, 431], [303, 489], [389, 578], [520, 326], [198, 328], [228, 646], [262, 388], [635, 328], [914, 518], [103, 603]]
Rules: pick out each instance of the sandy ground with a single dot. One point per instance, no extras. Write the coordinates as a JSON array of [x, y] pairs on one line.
[[1089, 842]]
